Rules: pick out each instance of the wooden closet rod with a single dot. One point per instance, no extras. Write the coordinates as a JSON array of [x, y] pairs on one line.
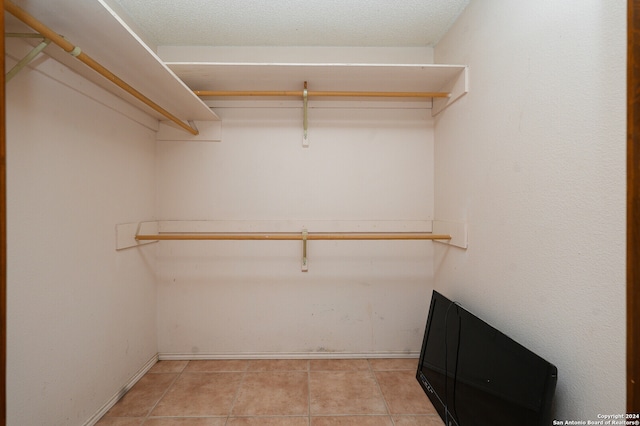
[[310, 93], [296, 236], [46, 32]]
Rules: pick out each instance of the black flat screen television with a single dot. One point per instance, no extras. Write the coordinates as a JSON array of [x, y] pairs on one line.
[[477, 376]]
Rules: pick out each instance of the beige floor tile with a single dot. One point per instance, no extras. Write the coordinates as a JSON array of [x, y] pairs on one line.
[[120, 421], [200, 394], [352, 421], [273, 393], [268, 421], [339, 365], [142, 396], [403, 393], [345, 392], [217, 366], [168, 367], [177, 421], [432, 420], [385, 364], [374, 392], [279, 365]]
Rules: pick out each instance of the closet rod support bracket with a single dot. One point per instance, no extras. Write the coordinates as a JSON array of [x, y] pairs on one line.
[[27, 59], [305, 264], [305, 122]]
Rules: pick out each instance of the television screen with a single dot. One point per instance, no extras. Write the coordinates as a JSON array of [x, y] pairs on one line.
[[477, 376]]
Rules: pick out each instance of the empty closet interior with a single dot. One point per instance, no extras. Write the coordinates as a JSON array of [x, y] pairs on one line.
[[183, 202]]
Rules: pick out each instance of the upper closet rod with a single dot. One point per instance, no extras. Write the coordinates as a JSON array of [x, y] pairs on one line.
[[310, 93], [296, 236], [46, 32]]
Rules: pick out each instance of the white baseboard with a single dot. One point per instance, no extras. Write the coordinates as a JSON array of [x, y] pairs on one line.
[[176, 356], [115, 398]]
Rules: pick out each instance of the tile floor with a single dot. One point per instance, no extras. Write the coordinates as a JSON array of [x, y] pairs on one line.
[[319, 392]]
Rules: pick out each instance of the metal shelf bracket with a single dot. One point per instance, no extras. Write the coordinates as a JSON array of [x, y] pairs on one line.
[[305, 122], [305, 264], [30, 56]]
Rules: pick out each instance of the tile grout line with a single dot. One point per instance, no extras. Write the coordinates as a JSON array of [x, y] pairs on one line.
[[146, 417], [386, 404], [235, 397], [309, 392]]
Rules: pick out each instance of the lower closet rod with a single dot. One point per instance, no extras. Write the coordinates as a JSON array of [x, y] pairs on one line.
[[297, 236], [48, 33]]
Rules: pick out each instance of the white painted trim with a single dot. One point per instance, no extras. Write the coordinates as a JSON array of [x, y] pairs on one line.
[[118, 395], [296, 54], [177, 356], [295, 225]]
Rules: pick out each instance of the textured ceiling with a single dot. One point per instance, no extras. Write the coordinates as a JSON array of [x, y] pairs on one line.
[[356, 23]]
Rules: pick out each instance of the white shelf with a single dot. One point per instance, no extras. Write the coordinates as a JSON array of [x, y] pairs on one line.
[[106, 37], [288, 76], [326, 77], [103, 34]]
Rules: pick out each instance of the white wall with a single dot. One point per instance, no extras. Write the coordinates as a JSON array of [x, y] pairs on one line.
[[81, 316], [220, 299], [533, 158]]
